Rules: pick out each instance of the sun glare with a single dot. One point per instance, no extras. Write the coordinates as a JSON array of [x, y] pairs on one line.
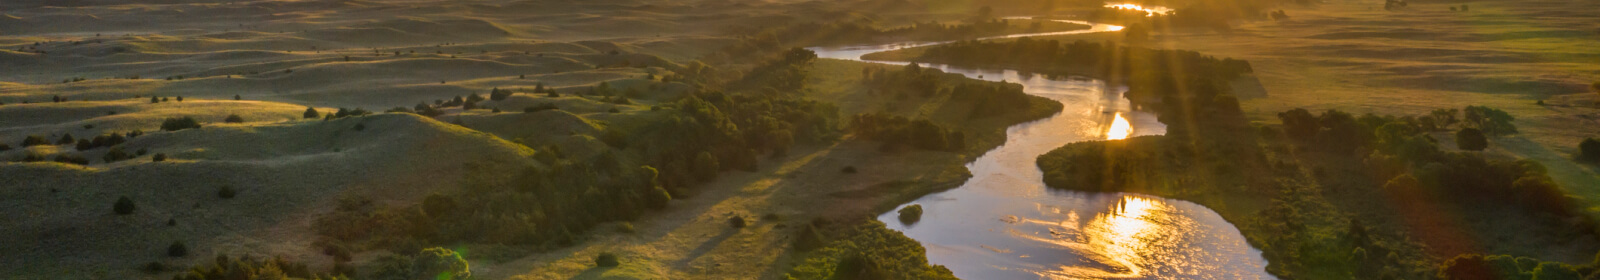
[[1149, 11], [1120, 128]]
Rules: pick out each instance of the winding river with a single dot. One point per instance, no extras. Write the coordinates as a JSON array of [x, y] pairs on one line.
[[1003, 223]]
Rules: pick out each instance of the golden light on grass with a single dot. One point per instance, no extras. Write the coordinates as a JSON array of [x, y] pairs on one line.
[[1120, 128]]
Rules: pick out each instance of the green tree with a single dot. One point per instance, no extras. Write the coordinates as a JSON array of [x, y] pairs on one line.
[[311, 113], [911, 214], [1491, 121], [1471, 139], [705, 166], [1589, 150]]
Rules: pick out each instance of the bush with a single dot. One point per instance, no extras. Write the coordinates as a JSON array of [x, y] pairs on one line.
[[4, 147], [311, 113], [498, 94], [614, 138], [176, 124], [116, 154], [659, 197], [1589, 150], [233, 118], [226, 192], [159, 157], [606, 259], [1471, 139], [737, 222], [439, 263], [124, 206], [911, 214], [72, 159], [66, 140], [34, 140], [177, 249]]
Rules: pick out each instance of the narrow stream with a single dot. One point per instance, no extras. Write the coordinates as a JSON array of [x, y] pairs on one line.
[[1003, 223]]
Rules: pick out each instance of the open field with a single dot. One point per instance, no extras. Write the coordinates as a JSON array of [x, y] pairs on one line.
[[269, 61]]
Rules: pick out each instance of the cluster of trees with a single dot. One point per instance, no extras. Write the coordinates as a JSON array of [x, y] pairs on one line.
[[1478, 266], [181, 123], [248, 267], [987, 98], [897, 131], [1589, 150], [552, 202], [1408, 159], [867, 251]]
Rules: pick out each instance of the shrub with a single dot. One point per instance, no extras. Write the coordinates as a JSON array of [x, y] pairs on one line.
[[4, 147], [124, 206], [311, 113], [659, 197], [154, 267], [177, 249], [1588, 150], [66, 140], [606, 259], [116, 154], [85, 145], [176, 124], [233, 118], [32, 157], [34, 140], [159, 157], [226, 192], [439, 263], [1471, 139], [737, 222], [498, 94], [911, 214]]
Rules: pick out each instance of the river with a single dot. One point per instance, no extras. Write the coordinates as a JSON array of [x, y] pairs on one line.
[[1003, 223]]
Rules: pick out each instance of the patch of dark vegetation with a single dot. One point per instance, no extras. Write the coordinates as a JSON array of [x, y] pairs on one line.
[[896, 131], [176, 124], [72, 159], [869, 250], [177, 249], [233, 118], [431, 263], [226, 192], [123, 206], [1589, 150], [911, 214], [737, 222], [248, 267], [606, 259]]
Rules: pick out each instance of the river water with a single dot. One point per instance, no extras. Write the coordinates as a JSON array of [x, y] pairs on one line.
[[1003, 223]]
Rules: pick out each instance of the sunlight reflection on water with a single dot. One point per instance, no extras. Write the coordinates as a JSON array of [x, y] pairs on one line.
[[1003, 223]]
